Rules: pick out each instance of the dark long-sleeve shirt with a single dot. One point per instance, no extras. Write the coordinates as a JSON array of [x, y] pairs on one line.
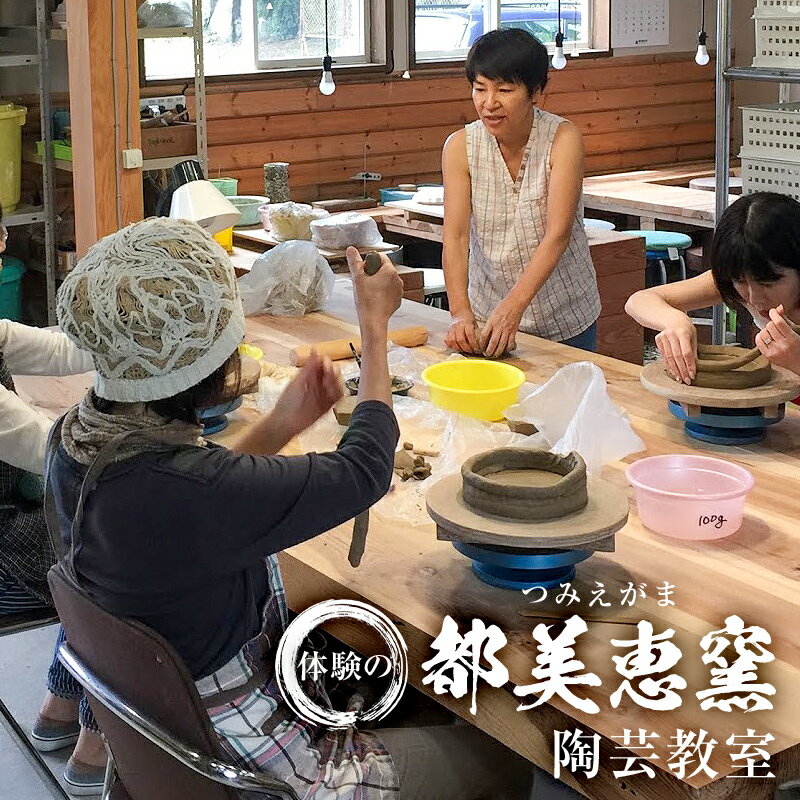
[[176, 539]]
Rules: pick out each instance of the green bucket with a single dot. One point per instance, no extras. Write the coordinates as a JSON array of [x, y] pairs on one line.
[[10, 283], [227, 186]]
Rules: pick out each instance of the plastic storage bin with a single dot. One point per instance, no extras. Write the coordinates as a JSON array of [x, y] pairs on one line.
[[12, 118], [777, 36], [771, 131], [766, 175], [10, 283]]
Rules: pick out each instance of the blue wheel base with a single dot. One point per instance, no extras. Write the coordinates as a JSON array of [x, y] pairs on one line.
[[512, 568], [214, 419], [725, 426]]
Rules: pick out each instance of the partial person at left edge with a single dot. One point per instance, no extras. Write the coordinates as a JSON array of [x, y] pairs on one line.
[[26, 553]]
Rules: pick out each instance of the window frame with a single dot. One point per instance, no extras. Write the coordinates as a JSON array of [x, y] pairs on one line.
[[379, 68], [598, 46]]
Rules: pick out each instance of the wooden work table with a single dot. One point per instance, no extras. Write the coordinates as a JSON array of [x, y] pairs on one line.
[[619, 261], [417, 580], [649, 195]]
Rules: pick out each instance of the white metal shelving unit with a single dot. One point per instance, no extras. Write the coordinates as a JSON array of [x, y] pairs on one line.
[[195, 33], [726, 75], [44, 214]]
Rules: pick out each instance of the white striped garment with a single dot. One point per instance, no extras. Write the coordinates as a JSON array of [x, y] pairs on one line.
[[508, 222]]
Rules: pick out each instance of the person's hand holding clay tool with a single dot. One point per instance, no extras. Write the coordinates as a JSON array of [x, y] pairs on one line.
[[463, 336], [677, 344], [779, 342]]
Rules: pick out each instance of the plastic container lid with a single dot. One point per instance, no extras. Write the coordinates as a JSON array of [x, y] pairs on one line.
[[10, 110]]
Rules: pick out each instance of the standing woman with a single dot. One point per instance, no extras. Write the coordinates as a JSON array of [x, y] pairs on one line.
[[516, 256]]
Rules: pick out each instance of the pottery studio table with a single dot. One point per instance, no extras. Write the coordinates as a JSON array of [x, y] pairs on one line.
[[650, 195], [619, 261], [417, 580]]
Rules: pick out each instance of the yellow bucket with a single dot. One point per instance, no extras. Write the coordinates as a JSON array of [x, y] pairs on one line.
[[474, 387], [225, 239], [12, 118]]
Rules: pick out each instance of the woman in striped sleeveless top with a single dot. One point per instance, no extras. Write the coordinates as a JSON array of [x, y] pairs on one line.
[[516, 256]]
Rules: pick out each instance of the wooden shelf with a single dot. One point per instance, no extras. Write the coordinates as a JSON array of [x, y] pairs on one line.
[[58, 163]]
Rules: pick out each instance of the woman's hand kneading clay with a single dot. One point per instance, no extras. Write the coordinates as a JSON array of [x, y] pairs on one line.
[[182, 534]]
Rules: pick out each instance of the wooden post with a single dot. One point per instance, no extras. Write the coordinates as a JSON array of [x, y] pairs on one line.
[[104, 114]]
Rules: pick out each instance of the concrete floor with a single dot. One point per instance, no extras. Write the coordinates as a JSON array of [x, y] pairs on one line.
[[24, 659]]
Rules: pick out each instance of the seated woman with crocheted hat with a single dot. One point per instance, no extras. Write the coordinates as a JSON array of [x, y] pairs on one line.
[[181, 534]]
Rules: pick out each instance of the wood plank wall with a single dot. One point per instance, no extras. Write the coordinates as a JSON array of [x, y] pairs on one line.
[[634, 112]]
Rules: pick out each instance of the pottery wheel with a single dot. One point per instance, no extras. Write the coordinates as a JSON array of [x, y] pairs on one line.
[[605, 513], [782, 386]]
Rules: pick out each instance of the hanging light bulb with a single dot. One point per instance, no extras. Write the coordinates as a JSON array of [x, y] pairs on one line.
[[701, 56], [559, 59], [326, 84]]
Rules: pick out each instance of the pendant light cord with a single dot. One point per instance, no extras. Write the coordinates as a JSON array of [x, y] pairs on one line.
[[327, 47]]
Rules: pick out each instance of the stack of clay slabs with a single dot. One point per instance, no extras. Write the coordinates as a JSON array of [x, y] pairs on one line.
[[526, 517]]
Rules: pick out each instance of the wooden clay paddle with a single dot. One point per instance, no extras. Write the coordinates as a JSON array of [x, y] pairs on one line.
[[372, 263]]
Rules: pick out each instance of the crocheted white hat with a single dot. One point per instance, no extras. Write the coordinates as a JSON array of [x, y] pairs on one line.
[[157, 305]]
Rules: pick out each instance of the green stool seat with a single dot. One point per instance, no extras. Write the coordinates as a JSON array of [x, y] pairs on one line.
[[658, 245], [662, 240]]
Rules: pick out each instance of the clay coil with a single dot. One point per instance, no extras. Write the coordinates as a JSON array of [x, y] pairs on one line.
[[726, 367], [566, 496]]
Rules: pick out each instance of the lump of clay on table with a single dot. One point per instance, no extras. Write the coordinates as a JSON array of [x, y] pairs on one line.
[[407, 465], [343, 410]]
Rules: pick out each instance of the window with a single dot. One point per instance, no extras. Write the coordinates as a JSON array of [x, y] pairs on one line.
[[248, 36], [446, 29]]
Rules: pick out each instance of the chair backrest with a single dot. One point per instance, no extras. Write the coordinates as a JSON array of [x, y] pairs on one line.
[[146, 671]]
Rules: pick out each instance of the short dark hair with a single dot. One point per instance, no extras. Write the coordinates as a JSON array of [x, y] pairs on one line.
[[511, 55], [755, 237]]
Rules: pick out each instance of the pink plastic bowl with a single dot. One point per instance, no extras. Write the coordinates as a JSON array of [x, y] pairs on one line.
[[690, 497]]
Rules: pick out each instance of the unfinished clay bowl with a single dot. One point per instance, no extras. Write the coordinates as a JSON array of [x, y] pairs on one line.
[[524, 483], [727, 367]]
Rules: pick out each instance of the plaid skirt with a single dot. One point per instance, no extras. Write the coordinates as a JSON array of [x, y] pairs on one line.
[[261, 733]]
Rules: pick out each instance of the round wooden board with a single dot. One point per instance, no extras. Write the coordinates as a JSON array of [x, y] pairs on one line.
[[784, 386], [606, 513]]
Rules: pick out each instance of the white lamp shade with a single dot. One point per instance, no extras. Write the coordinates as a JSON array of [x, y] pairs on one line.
[[203, 203]]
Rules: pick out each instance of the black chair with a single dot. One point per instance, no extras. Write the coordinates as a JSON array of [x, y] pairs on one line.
[[161, 743], [9, 625]]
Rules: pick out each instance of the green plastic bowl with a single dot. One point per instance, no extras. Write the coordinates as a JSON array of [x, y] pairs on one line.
[[248, 208]]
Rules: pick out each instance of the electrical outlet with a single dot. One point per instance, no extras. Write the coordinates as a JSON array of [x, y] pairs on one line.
[[367, 176], [131, 159], [170, 103]]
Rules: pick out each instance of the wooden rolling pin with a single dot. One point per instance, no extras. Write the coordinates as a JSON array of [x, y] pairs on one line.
[[339, 349]]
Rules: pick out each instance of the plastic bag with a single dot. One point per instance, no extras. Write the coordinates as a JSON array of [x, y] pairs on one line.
[[574, 412], [290, 280]]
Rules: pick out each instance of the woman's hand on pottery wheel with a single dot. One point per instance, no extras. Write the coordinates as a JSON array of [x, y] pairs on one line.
[[462, 336], [779, 343], [677, 344], [311, 393], [500, 331]]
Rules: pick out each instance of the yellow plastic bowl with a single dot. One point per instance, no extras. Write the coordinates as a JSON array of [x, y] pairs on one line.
[[474, 387]]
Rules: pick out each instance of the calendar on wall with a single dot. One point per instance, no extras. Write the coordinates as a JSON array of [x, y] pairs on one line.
[[639, 23]]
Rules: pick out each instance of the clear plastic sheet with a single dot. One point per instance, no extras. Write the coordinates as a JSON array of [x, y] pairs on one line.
[[290, 280], [573, 412]]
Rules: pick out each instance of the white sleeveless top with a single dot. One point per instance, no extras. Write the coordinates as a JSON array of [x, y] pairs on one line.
[[508, 222]]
